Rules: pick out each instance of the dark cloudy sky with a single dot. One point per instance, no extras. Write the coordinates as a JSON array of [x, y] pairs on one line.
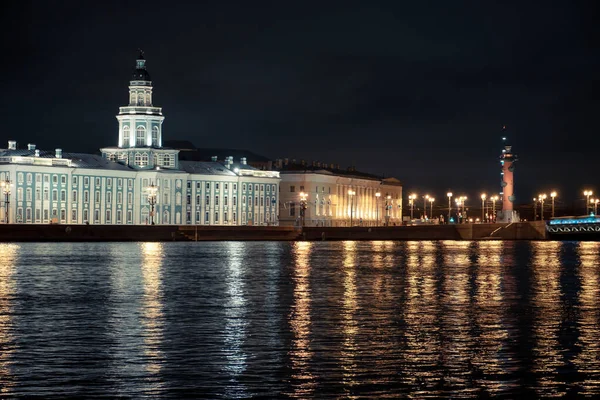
[[418, 90]]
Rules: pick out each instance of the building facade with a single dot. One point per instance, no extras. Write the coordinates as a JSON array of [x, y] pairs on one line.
[[324, 196], [136, 182]]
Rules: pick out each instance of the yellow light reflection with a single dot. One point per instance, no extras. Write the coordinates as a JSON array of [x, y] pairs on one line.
[[152, 305], [588, 360], [349, 307], [490, 316], [421, 313], [547, 351], [8, 255], [300, 322], [235, 317], [455, 319]]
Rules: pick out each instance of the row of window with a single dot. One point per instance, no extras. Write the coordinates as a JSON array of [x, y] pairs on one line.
[[140, 136], [63, 215], [63, 196], [75, 178], [268, 201], [141, 98], [119, 195], [38, 178], [244, 187], [142, 159]]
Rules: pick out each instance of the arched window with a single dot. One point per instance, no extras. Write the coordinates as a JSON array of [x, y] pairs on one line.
[[155, 136], [140, 101], [144, 162], [138, 158], [140, 136], [132, 98], [126, 136]]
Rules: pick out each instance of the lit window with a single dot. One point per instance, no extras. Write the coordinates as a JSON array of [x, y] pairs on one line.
[[140, 136], [155, 136], [126, 136]]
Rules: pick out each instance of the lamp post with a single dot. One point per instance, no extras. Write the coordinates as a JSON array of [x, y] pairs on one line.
[[351, 193], [587, 194], [377, 196], [411, 200], [494, 198], [388, 206], [483, 197], [449, 194], [596, 201], [460, 203], [552, 196], [542, 197], [425, 198], [431, 200], [5, 184], [303, 197], [152, 191], [534, 209]]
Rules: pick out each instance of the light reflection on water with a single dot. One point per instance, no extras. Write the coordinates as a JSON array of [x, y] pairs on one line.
[[350, 319], [8, 254], [300, 322]]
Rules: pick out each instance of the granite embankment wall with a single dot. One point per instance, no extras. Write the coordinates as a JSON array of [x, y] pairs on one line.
[[107, 233], [134, 233], [515, 231]]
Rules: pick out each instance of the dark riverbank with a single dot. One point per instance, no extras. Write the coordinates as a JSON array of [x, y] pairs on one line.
[[121, 233], [516, 231], [135, 233]]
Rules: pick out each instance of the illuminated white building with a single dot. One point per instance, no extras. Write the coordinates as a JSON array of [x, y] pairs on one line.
[[334, 197], [136, 182]]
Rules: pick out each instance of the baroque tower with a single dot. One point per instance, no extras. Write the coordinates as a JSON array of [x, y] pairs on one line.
[[140, 127]]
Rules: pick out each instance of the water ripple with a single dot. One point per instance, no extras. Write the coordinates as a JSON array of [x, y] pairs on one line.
[[453, 319]]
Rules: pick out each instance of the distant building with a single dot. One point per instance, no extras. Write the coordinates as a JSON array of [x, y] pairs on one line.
[[136, 182], [189, 152], [325, 195]]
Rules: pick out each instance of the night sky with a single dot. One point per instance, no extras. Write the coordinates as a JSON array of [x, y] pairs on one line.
[[419, 91]]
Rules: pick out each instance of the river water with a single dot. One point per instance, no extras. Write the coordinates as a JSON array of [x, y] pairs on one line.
[[453, 319]]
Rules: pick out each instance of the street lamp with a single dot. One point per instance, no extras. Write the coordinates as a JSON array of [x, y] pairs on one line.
[[152, 192], [5, 184], [431, 200], [351, 193], [460, 202], [377, 196], [411, 201], [425, 198], [587, 193], [494, 198], [449, 194], [542, 197], [596, 201], [552, 196], [303, 197], [483, 197], [388, 206], [535, 209]]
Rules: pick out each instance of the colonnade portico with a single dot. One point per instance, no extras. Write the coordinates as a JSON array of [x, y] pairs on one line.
[[361, 208]]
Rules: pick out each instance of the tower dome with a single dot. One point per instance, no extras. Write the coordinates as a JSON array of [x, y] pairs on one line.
[[140, 73]]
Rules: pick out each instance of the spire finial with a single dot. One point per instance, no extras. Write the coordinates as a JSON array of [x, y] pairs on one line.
[[141, 56]]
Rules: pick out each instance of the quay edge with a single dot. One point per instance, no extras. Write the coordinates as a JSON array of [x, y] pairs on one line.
[[108, 233]]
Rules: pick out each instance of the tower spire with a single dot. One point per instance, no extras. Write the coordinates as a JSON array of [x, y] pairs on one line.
[[140, 74]]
